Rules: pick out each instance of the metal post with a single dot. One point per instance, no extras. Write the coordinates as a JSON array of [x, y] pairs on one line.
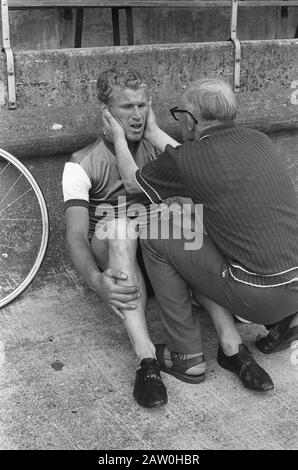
[[129, 25], [236, 42], [79, 27], [116, 27], [11, 83]]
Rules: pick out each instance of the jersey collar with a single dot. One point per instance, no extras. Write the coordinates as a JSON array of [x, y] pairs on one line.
[[219, 129]]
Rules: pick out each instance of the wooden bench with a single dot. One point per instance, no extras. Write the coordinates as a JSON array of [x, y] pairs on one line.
[[116, 5]]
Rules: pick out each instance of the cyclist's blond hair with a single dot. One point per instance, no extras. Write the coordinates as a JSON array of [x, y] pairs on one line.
[[120, 78]]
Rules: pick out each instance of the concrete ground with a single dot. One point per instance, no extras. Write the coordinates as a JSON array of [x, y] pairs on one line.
[[67, 374]]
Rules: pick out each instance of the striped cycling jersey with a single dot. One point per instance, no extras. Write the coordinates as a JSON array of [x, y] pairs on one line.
[[250, 205], [91, 179]]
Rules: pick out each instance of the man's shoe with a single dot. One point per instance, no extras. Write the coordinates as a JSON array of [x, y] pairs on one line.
[[249, 372], [180, 365], [280, 336], [149, 390]]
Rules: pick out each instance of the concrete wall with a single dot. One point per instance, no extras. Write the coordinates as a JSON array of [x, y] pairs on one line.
[[51, 29], [68, 77], [59, 87]]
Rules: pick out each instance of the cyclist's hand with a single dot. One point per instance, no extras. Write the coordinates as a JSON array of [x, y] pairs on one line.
[[116, 296], [112, 127], [151, 124]]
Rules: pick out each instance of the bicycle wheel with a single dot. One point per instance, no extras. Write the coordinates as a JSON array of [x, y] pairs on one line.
[[24, 227]]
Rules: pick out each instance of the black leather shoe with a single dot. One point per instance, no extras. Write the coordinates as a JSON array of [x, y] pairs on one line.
[[149, 390], [249, 372], [280, 336]]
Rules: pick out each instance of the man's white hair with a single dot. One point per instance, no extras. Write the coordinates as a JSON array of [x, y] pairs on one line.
[[211, 99]]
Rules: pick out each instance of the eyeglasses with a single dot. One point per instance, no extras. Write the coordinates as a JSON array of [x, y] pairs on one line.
[[174, 111]]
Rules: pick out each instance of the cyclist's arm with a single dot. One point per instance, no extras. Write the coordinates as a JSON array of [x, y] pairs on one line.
[[77, 227], [75, 190]]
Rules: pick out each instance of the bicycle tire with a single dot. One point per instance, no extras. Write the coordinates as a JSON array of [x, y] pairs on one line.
[[45, 228]]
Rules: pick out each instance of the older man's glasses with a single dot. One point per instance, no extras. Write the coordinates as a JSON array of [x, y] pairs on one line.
[[176, 111]]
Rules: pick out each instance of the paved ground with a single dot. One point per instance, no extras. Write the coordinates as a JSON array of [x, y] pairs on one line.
[[67, 374]]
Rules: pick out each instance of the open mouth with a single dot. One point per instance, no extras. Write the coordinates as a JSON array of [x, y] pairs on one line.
[[136, 127]]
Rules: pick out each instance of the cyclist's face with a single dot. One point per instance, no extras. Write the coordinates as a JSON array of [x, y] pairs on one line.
[[130, 107]]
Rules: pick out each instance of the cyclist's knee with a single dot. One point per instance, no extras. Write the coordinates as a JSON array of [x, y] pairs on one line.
[[122, 236]]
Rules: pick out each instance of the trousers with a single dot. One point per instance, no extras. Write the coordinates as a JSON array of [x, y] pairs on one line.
[[173, 271]]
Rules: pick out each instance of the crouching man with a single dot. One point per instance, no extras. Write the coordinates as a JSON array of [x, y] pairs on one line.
[[248, 263]]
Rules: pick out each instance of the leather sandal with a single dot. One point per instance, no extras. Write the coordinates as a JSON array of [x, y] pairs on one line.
[[180, 365]]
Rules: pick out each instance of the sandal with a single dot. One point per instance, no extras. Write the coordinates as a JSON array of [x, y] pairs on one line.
[[180, 365], [280, 336]]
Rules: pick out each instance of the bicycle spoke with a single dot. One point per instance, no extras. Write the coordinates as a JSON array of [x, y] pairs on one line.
[[15, 200], [20, 220], [6, 166], [11, 189]]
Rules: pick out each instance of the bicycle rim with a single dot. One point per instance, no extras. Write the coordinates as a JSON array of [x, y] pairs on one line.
[[15, 165]]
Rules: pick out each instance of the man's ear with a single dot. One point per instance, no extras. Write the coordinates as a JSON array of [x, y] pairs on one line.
[[190, 123], [104, 106]]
